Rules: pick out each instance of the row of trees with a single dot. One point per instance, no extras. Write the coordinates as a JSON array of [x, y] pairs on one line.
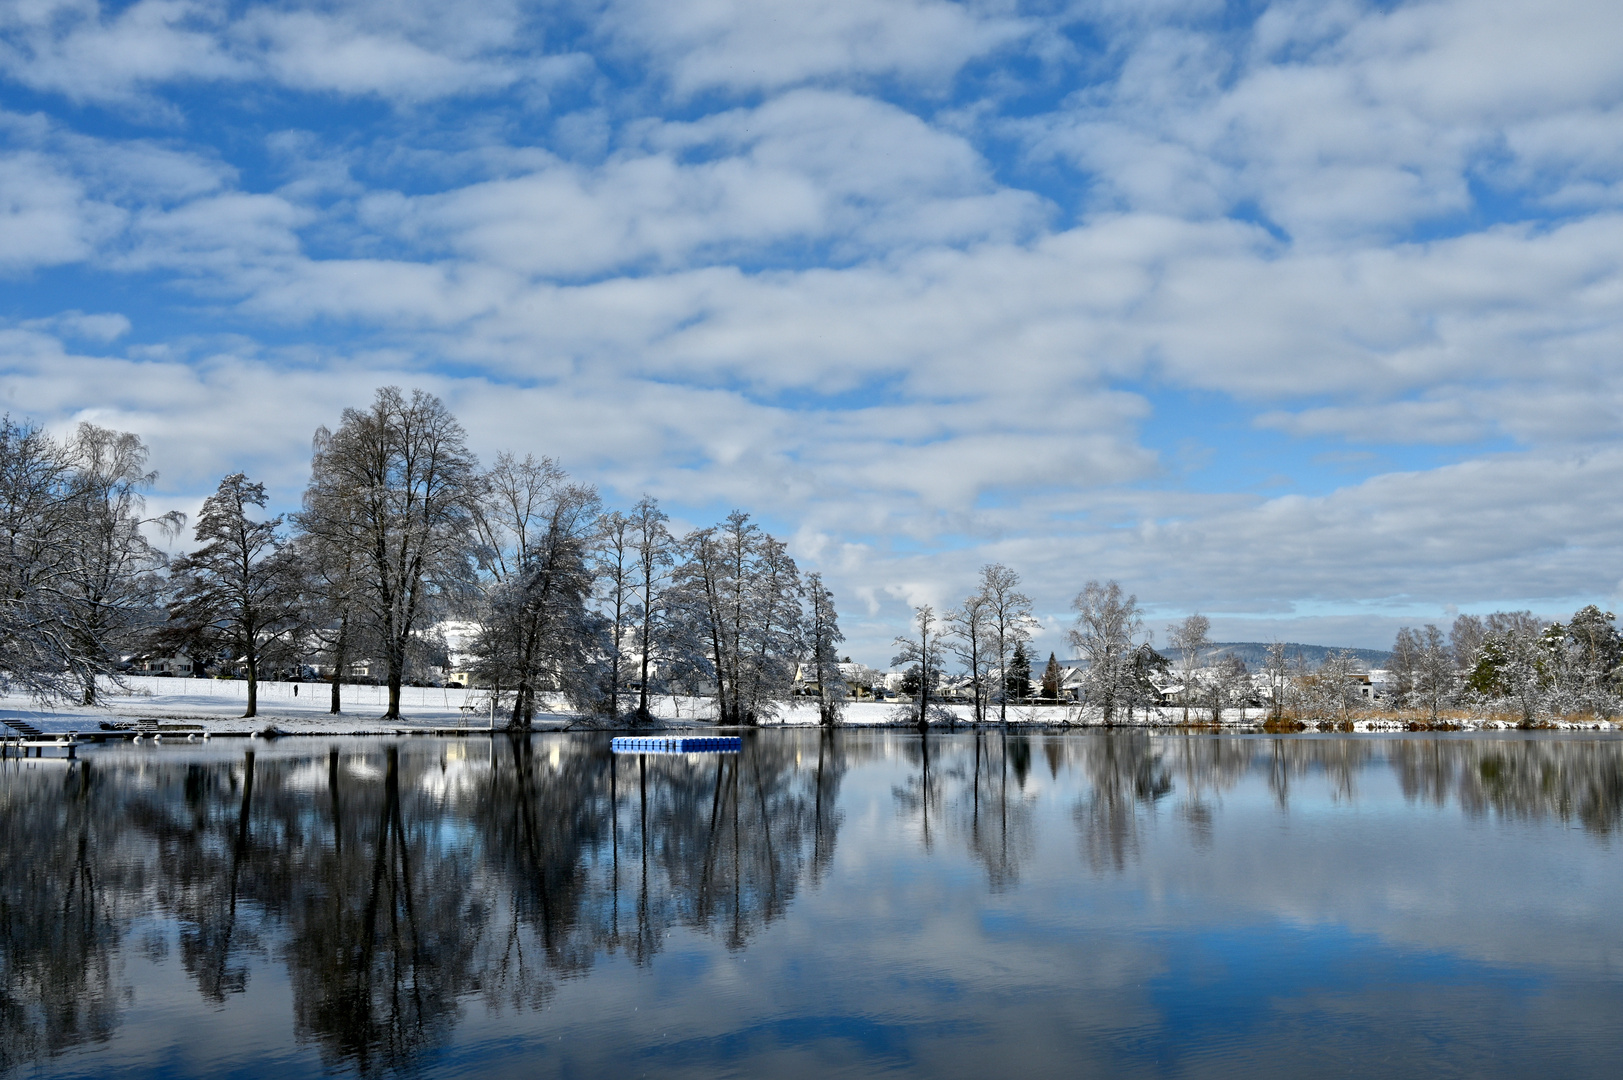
[[1512, 662], [400, 530], [1503, 662]]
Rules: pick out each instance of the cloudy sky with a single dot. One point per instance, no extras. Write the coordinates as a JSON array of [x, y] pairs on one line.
[[1304, 315]]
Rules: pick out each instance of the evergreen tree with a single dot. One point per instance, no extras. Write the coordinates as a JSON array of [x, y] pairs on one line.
[[1053, 678], [240, 591], [823, 633], [1017, 681]]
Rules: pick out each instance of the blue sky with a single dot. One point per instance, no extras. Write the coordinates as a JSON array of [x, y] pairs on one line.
[[1303, 315]]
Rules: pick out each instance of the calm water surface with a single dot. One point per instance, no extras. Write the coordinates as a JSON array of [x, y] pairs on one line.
[[859, 904]]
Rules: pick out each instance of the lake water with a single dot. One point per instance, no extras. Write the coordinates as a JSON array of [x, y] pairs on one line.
[[867, 903]]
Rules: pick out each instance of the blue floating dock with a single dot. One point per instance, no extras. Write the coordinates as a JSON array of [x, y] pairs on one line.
[[668, 744]]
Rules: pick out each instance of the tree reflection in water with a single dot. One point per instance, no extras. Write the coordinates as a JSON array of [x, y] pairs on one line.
[[397, 885], [65, 902]]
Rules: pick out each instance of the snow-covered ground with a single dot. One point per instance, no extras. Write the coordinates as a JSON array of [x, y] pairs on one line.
[[218, 704], [302, 708]]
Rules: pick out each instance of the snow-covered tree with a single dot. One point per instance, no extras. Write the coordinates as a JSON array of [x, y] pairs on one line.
[[1109, 628], [1587, 660], [38, 521], [400, 483], [534, 531], [1189, 638], [1464, 639], [740, 593], [1511, 666], [1227, 685], [1010, 625], [109, 586], [1332, 690], [616, 568], [1422, 670], [660, 634], [822, 636], [1276, 668]]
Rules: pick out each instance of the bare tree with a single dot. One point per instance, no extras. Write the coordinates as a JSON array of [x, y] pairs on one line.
[[922, 650], [241, 589], [1277, 668], [37, 521], [1229, 685], [1010, 625], [1109, 627], [970, 637], [401, 475], [1190, 639], [109, 587], [616, 566], [1332, 689], [330, 548], [655, 626], [741, 594], [1465, 639], [1433, 675], [534, 531]]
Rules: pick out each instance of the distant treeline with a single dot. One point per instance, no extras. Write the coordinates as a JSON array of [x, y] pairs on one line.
[[1255, 653]]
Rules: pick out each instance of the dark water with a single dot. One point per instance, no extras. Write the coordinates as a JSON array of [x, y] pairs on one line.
[[1101, 904]]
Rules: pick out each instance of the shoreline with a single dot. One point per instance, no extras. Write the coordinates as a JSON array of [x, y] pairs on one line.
[[213, 708]]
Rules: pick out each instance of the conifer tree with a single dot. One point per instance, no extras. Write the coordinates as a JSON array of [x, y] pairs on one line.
[[1017, 681], [240, 591]]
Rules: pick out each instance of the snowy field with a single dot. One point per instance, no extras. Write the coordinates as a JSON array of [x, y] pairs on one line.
[[295, 708], [218, 705], [302, 708]]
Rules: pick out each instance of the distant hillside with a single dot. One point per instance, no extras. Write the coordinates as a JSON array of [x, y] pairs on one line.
[[1255, 652]]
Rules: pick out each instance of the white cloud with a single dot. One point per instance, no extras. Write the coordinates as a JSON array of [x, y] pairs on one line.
[[399, 52], [769, 44], [46, 217], [402, 51], [73, 47], [810, 167], [1341, 121]]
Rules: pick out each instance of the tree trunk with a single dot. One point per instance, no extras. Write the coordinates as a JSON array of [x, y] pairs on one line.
[[397, 674], [253, 688], [340, 655]]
